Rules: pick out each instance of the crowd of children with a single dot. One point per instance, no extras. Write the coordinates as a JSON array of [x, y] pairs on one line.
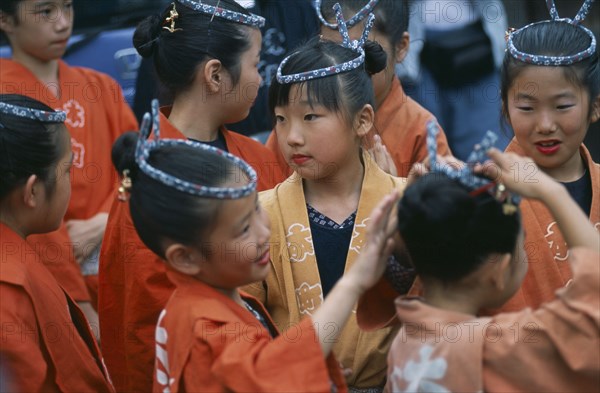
[[351, 253]]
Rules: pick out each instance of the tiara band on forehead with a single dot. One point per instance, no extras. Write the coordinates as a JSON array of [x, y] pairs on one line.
[[33, 114], [360, 15], [543, 60], [145, 147], [465, 176], [356, 46], [232, 16]]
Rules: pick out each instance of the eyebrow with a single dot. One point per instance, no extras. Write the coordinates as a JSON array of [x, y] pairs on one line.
[[534, 98]]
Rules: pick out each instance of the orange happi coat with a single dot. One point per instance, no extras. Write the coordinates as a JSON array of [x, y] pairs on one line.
[[47, 345], [445, 351], [97, 114], [547, 252], [134, 287], [208, 342], [401, 123]]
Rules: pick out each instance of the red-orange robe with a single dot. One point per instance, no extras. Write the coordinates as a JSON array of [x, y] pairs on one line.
[[46, 342], [401, 123], [547, 251], [97, 114], [208, 342], [134, 287]]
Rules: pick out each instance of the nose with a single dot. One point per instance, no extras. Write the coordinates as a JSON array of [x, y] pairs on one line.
[[294, 136], [64, 19], [546, 123]]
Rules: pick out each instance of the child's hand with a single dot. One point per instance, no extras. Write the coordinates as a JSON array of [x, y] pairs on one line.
[[371, 263], [518, 174], [382, 157]]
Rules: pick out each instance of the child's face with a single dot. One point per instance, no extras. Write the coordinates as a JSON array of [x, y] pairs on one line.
[[41, 28], [55, 205], [315, 141], [239, 245], [242, 96], [550, 118]]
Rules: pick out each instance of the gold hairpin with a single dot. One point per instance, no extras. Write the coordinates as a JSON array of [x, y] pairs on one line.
[[125, 187], [173, 15], [502, 195], [508, 32]]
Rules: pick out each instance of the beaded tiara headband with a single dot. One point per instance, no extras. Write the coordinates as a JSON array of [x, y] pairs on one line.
[[33, 114], [145, 147], [232, 16], [555, 60], [354, 45], [360, 15], [465, 175]]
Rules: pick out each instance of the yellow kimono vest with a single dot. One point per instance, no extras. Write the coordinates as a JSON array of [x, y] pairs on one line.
[[293, 290]]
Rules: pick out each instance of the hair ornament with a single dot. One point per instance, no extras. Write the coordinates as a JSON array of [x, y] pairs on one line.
[[145, 146], [466, 176], [232, 16], [354, 45], [555, 60], [170, 20], [125, 187], [359, 16], [33, 114]]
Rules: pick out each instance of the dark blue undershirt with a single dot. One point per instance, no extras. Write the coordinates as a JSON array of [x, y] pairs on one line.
[[331, 242], [219, 143], [581, 191]]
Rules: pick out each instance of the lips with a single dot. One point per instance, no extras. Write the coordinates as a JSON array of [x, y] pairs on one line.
[[300, 159], [548, 147], [264, 258]]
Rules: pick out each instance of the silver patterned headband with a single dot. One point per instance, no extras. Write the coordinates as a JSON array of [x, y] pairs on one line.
[[232, 16], [354, 45], [33, 114], [555, 60], [465, 175], [360, 15], [145, 147]]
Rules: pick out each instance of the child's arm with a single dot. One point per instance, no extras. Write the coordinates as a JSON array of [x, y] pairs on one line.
[[574, 225], [367, 270]]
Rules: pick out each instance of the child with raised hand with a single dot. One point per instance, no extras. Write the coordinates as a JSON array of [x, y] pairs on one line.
[[322, 101], [47, 344], [213, 234], [97, 113], [467, 244], [550, 96], [206, 54], [397, 137]]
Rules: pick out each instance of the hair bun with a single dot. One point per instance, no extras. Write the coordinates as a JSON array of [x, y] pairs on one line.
[[144, 37], [375, 57], [123, 153]]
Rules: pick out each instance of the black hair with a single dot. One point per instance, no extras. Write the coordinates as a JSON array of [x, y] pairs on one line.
[[553, 39], [391, 16], [161, 213], [9, 7], [28, 147], [449, 233], [177, 55], [346, 92]]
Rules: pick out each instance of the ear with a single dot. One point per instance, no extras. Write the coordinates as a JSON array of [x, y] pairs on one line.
[[32, 192], [7, 22], [213, 75], [595, 110], [402, 47], [363, 121], [184, 259], [500, 271]]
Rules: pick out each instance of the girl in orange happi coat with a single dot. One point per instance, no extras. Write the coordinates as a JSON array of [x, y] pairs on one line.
[[209, 65], [97, 113], [397, 138], [210, 229], [47, 344], [550, 96], [466, 241]]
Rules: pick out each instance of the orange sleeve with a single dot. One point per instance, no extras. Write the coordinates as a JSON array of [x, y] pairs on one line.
[[56, 253], [24, 365], [250, 361]]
